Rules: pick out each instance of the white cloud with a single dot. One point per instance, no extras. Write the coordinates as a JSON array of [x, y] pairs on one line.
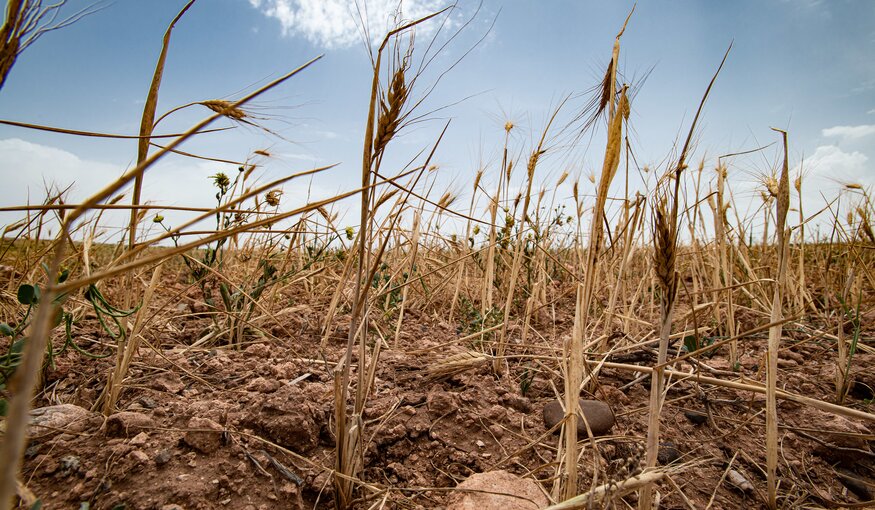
[[850, 132], [336, 23], [27, 169], [831, 163], [871, 112]]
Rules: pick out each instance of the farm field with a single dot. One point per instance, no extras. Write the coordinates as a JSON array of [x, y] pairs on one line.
[[695, 331]]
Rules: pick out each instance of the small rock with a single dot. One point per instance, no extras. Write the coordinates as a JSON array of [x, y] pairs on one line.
[[598, 415], [140, 439], [518, 402], [614, 394], [169, 382], [183, 308], [262, 385], [440, 402], [795, 356], [258, 350], [127, 424], [208, 437], [288, 419], [668, 453], [139, 457], [787, 363], [32, 451], [172, 507], [496, 430], [51, 420], [848, 435], [738, 480], [695, 417], [147, 403], [497, 490], [70, 464], [163, 457]]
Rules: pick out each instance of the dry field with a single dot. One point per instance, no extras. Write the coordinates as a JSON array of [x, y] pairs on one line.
[[282, 360]]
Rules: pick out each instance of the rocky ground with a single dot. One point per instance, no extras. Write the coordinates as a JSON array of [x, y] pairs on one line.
[[252, 429]]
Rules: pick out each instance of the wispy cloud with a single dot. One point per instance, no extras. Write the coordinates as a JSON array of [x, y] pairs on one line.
[[337, 23], [172, 182], [832, 163], [871, 112], [849, 132]]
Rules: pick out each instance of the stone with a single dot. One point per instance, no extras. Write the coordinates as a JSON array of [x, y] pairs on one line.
[[207, 436], [128, 424], [140, 439], [169, 382], [258, 350], [286, 418], [52, 420], [262, 385], [668, 453], [440, 402], [517, 402], [598, 414], [497, 490], [139, 457], [163, 457], [70, 464], [695, 417], [849, 436]]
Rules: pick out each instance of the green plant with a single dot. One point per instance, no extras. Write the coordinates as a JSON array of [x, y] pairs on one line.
[[29, 295]]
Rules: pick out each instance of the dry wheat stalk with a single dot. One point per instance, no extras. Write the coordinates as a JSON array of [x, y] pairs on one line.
[[34, 351], [783, 200]]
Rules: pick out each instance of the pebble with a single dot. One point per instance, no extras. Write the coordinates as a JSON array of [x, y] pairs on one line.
[[262, 385], [127, 424], [668, 453], [163, 457], [140, 439], [51, 420], [598, 414], [517, 402], [695, 417], [738, 480], [70, 464], [139, 457], [205, 440], [497, 489]]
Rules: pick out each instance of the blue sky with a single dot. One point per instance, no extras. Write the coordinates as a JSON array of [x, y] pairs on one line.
[[802, 65]]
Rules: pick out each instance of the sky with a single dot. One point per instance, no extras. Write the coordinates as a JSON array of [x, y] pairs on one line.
[[805, 66]]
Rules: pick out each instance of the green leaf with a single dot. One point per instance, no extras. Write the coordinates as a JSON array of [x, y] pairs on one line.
[[37, 505], [17, 346], [6, 330], [28, 294], [3, 406], [63, 276]]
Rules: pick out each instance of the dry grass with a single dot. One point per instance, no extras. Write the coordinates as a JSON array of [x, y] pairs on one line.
[[513, 266]]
